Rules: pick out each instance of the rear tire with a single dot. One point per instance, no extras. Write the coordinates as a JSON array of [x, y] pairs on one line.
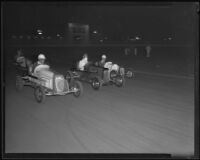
[[120, 81], [78, 85], [19, 83], [39, 94], [69, 77], [96, 83]]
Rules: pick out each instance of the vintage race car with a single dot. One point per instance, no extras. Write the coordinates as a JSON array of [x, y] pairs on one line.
[[97, 76], [119, 70], [47, 82]]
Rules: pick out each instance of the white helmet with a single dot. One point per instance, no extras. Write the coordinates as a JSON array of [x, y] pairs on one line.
[[85, 55], [41, 56], [103, 56]]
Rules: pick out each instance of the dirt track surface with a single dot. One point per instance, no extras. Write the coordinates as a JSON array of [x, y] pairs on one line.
[[150, 114]]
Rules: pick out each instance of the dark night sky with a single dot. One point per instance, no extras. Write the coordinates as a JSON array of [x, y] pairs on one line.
[[114, 20]]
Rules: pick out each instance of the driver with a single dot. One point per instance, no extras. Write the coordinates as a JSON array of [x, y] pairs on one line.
[[41, 61], [82, 63], [103, 60], [20, 59], [23, 62]]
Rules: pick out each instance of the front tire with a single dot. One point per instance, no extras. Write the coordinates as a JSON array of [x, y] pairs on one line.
[[113, 74], [129, 74], [78, 85], [120, 81], [39, 94], [96, 83], [19, 83], [69, 76]]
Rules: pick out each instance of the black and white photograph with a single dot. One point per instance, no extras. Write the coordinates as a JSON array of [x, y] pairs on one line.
[[100, 77]]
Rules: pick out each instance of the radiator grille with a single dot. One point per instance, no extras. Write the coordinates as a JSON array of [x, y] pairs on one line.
[[60, 84]]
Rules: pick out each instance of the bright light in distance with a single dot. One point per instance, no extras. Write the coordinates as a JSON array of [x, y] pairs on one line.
[[14, 36], [39, 31], [95, 32], [137, 38], [170, 38]]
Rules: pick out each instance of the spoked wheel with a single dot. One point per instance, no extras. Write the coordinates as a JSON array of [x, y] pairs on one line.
[[69, 76], [19, 83], [39, 94], [129, 74], [96, 83], [78, 87], [113, 74], [120, 81]]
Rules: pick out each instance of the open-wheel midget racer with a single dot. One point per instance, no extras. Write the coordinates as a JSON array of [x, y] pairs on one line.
[[97, 76], [119, 70], [47, 82]]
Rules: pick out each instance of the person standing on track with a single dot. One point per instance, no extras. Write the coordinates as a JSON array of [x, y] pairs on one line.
[[148, 50], [127, 51], [135, 51], [23, 62]]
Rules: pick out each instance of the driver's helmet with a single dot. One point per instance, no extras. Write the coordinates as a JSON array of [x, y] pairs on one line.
[[103, 56], [108, 65], [115, 67], [85, 55], [41, 56]]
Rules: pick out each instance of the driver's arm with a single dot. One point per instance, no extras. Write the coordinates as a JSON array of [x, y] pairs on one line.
[[87, 65]]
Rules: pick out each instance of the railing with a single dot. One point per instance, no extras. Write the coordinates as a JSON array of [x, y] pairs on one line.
[[64, 43]]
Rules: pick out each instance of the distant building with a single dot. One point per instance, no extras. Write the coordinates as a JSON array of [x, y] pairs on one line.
[[77, 33]]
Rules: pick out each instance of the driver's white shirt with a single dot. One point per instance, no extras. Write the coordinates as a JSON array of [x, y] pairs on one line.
[[82, 63], [111, 66], [39, 63], [108, 65], [40, 66]]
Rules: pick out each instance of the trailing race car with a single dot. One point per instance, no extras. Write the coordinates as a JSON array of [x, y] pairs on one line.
[[47, 82], [97, 76]]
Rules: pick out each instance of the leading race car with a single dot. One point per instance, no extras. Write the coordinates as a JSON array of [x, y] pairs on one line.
[[119, 70], [47, 82], [97, 76]]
